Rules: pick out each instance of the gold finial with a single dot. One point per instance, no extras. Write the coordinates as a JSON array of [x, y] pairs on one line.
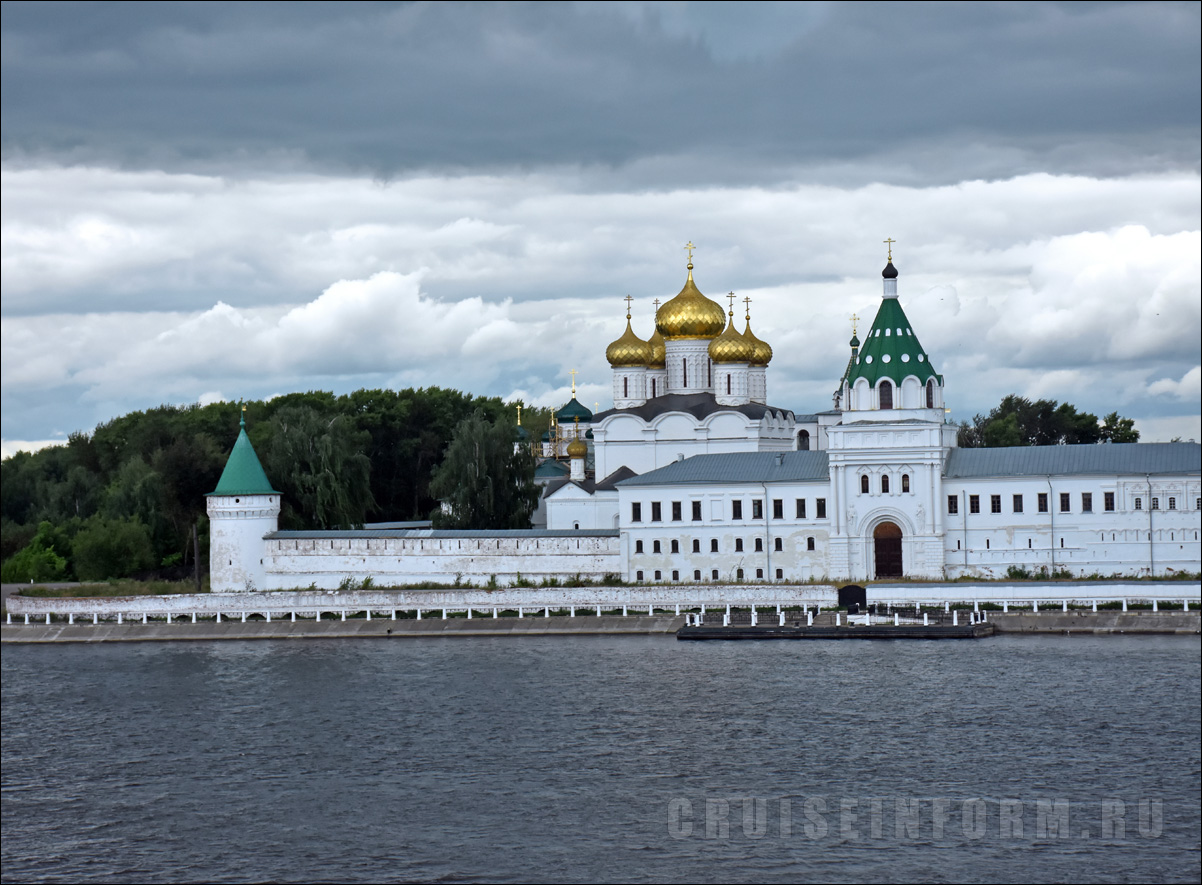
[[242, 417], [690, 247], [889, 241], [628, 299], [855, 318], [573, 374], [747, 305], [596, 406], [730, 297], [519, 414]]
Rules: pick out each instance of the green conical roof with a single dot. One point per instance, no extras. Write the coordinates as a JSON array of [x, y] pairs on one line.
[[243, 474], [891, 349]]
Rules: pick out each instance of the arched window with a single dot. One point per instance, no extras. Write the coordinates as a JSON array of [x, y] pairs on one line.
[[626, 388], [931, 394], [779, 545], [709, 373], [713, 545], [655, 547], [696, 546], [906, 483], [884, 485], [886, 391], [728, 383], [653, 394], [864, 484], [759, 545], [684, 367], [803, 441], [809, 543], [675, 546]]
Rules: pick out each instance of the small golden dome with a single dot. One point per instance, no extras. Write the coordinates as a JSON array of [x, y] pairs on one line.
[[577, 448], [761, 351], [690, 315], [629, 350], [659, 352], [730, 346]]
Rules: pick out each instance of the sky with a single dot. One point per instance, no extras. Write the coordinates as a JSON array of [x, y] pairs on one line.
[[208, 201]]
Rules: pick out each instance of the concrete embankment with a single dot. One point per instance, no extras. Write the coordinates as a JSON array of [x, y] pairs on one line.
[[377, 628], [1097, 622]]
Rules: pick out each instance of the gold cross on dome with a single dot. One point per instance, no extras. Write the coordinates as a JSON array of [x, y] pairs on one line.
[[731, 297], [519, 414], [690, 247], [889, 241], [656, 302], [573, 374], [747, 306], [855, 318], [628, 301]]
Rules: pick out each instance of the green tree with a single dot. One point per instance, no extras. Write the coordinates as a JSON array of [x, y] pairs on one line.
[[39, 561], [483, 482], [112, 548], [1118, 430], [1018, 421], [317, 461]]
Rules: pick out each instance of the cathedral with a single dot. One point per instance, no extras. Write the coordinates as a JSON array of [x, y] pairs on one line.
[[694, 477]]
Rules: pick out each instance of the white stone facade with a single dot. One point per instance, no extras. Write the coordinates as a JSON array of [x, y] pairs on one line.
[[237, 525]]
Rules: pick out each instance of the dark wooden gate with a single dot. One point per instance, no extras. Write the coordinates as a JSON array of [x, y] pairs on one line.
[[887, 545]]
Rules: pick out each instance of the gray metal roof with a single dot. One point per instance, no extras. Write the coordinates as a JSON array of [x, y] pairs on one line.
[[1104, 460], [738, 467], [699, 405], [439, 534]]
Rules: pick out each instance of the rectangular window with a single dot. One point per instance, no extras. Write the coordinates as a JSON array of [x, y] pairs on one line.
[[974, 503], [1139, 503], [636, 512], [1172, 503], [778, 509], [676, 515], [656, 516], [1155, 503], [1065, 502], [638, 546], [995, 503], [1018, 503], [809, 543], [757, 509], [736, 509], [1043, 502], [801, 508], [696, 511], [953, 503], [1108, 502], [820, 508], [1087, 502]]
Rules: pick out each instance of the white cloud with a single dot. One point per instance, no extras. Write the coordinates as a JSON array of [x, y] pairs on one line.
[[1187, 389]]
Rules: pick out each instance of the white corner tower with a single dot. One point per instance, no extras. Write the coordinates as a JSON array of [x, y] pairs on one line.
[[242, 510]]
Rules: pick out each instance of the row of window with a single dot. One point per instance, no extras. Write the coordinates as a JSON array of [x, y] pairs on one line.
[[1066, 503], [674, 545], [885, 391], [736, 509], [659, 575], [905, 484], [1113, 537]]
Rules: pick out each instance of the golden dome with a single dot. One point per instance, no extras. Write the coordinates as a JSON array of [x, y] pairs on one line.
[[577, 448], [690, 315], [761, 351], [730, 346], [659, 352], [629, 350]]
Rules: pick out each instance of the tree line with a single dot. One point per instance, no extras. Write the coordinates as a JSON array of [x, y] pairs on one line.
[[124, 499], [1018, 421]]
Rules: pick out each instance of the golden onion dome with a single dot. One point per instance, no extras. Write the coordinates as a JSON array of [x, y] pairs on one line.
[[730, 346], [577, 448], [628, 351], [659, 352], [690, 315], [761, 351]]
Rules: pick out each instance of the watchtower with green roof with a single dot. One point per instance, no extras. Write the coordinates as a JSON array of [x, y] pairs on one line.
[[242, 509], [889, 376]]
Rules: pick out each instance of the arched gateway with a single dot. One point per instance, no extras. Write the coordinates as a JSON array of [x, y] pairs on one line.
[[887, 550]]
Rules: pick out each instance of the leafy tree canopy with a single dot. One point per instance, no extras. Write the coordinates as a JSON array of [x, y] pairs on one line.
[[485, 481], [1018, 421]]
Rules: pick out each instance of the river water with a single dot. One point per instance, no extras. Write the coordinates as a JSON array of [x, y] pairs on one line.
[[604, 759]]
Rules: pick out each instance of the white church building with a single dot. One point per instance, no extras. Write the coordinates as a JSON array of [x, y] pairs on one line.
[[695, 478]]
